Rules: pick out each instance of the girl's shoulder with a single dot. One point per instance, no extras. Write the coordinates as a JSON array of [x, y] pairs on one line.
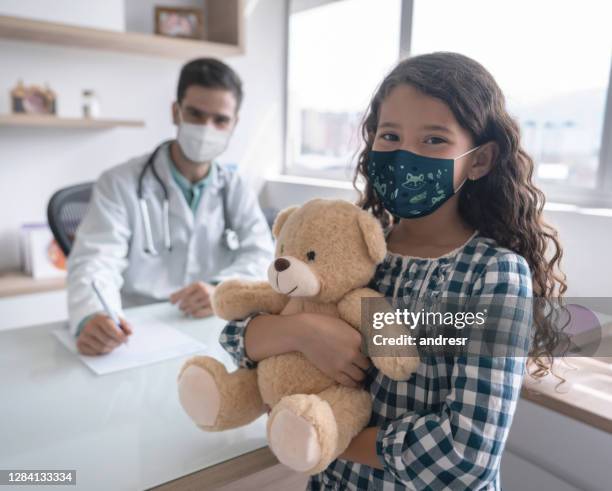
[[482, 251], [495, 268]]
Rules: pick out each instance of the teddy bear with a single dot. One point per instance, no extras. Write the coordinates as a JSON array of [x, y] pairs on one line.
[[326, 253]]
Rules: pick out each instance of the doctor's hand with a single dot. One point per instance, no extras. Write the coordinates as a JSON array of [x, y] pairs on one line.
[[195, 300], [100, 335]]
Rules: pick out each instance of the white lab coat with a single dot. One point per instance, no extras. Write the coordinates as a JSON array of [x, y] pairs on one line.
[[110, 240]]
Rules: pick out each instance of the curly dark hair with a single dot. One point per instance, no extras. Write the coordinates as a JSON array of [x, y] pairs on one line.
[[505, 205]]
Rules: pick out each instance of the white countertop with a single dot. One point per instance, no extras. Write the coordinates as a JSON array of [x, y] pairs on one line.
[[122, 431], [33, 309]]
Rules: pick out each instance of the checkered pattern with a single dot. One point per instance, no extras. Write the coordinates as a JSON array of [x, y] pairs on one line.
[[446, 426]]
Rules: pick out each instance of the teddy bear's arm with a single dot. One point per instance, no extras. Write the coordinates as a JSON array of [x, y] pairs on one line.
[[394, 367], [237, 299], [349, 308]]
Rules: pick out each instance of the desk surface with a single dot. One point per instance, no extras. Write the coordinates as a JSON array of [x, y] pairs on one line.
[[120, 431]]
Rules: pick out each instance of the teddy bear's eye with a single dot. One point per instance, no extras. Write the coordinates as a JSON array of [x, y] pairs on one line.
[[311, 255]]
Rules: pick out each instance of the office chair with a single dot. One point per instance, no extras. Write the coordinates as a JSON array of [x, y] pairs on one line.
[[270, 214], [65, 210]]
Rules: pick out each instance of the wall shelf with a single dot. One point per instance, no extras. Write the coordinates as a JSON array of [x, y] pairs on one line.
[[224, 27], [17, 283], [51, 121]]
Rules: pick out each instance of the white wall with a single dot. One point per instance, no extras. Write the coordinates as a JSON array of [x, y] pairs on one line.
[[587, 252], [100, 14], [36, 162]]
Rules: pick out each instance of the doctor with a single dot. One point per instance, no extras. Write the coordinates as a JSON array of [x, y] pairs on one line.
[[170, 224]]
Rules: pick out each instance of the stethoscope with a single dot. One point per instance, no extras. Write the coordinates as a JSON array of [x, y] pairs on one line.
[[230, 237]]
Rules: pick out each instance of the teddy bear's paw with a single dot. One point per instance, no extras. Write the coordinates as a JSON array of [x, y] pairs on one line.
[[294, 441], [302, 433], [199, 395], [396, 367], [237, 299]]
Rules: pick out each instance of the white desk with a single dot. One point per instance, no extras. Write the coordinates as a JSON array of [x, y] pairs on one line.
[[33, 309], [123, 431]]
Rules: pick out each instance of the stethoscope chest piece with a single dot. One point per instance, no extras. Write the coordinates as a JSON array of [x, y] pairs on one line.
[[231, 239]]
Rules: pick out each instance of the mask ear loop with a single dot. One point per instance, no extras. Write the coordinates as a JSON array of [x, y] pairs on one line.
[[457, 158], [468, 152]]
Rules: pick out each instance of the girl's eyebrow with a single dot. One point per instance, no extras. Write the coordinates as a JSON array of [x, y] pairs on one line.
[[427, 127], [436, 127], [388, 124]]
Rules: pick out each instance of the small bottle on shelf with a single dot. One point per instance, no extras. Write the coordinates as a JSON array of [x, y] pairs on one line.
[[17, 96], [51, 99], [91, 105]]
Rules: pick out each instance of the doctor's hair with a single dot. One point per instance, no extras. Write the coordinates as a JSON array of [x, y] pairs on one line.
[[504, 205], [212, 74]]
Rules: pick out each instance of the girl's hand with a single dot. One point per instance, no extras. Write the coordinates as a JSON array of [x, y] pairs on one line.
[[333, 346]]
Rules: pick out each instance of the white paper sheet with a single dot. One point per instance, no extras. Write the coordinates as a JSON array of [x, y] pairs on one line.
[[152, 341]]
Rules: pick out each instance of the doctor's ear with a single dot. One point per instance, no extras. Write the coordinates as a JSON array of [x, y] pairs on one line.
[[280, 220], [175, 113], [483, 161]]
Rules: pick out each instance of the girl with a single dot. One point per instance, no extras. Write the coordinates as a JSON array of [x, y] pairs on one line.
[[474, 229]]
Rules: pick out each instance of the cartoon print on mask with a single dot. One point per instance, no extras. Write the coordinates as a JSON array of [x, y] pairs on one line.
[[436, 199], [381, 189], [419, 198], [414, 181], [440, 195]]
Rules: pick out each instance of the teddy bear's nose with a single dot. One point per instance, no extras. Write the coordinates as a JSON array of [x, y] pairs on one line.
[[281, 264]]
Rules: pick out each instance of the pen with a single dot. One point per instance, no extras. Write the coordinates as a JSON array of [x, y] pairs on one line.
[[107, 308]]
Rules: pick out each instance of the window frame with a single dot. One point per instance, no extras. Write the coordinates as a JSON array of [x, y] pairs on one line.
[[599, 196]]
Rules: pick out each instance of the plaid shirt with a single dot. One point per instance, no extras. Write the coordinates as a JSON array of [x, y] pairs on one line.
[[446, 426]]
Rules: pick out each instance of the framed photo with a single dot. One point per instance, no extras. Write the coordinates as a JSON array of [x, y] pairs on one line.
[[32, 99], [179, 22]]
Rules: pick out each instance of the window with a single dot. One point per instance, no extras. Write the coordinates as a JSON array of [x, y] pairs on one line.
[[551, 58], [339, 52]]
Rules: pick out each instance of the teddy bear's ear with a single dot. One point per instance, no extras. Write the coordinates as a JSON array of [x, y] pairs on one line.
[[280, 220], [373, 236]]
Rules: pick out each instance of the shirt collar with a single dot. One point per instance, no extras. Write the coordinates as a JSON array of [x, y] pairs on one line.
[[185, 185]]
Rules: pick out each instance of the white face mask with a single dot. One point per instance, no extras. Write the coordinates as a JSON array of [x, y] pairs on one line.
[[201, 143]]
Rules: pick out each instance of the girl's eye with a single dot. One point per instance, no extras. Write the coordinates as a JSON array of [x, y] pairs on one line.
[[310, 255], [390, 137], [435, 140]]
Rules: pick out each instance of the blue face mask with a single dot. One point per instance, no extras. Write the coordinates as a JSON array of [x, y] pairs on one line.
[[411, 185]]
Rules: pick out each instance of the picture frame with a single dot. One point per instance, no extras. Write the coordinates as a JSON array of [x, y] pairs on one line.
[[179, 22], [32, 99]]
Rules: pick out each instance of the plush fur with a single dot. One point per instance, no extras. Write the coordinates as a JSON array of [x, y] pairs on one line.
[[326, 252]]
